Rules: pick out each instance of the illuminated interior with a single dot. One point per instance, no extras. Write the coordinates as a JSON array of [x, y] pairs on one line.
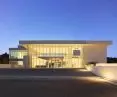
[[50, 55], [16, 57], [58, 53], [54, 55]]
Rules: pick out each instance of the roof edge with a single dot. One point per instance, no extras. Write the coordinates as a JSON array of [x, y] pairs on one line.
[[65, 42]]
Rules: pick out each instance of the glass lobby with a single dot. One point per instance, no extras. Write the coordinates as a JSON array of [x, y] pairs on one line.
[[16, 56], [54, 55]]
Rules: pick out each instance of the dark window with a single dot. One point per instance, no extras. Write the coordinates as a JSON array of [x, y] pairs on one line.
[[76, 52]]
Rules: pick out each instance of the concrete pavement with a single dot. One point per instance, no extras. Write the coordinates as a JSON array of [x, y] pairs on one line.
[[63, 83]]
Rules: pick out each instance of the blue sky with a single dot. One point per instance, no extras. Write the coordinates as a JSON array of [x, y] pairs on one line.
[[58, 19]]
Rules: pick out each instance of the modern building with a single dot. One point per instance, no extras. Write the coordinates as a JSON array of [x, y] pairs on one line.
[[58, 53]]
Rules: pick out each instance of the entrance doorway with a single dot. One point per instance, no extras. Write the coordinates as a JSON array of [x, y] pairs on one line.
[[55, 63]]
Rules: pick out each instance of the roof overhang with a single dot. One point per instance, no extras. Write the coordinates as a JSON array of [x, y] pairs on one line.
[[64, 42]]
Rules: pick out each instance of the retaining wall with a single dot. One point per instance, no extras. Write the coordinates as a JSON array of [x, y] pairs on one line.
[[106, 70]]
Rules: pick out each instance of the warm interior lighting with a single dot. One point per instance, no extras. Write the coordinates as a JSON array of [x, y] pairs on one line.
[[56, 51]]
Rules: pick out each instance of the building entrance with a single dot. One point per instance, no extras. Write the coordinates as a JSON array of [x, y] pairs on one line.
[[55, 63]]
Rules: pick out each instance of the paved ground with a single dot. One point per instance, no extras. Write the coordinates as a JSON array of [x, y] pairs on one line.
[[44, 72], [83, 84]]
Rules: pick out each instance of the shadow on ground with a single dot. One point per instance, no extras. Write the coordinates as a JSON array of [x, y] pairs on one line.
[[55, 88], [45, 72]]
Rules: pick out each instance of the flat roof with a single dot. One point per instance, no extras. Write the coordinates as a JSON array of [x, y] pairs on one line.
[[64, 42]]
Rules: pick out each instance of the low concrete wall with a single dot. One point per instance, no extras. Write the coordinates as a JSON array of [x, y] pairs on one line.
[[5, 65], [106, 70]]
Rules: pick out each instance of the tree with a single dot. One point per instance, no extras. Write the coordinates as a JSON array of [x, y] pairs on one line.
[[111, 60], [4, 58]]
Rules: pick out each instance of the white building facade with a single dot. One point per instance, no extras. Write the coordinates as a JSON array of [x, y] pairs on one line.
[[57, 53]]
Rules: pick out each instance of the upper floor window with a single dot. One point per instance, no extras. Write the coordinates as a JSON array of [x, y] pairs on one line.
[[76, 53], [17, 54]]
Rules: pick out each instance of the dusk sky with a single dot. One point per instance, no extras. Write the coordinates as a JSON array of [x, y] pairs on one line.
[[58, 19]]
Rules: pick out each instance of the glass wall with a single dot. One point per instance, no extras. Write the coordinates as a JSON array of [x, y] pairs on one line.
[[16, 57], [55, 55], [17, 54]]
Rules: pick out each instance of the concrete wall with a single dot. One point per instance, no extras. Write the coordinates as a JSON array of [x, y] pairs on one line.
[[95, 53], [106, 70], [5, 65], [26, 62]]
